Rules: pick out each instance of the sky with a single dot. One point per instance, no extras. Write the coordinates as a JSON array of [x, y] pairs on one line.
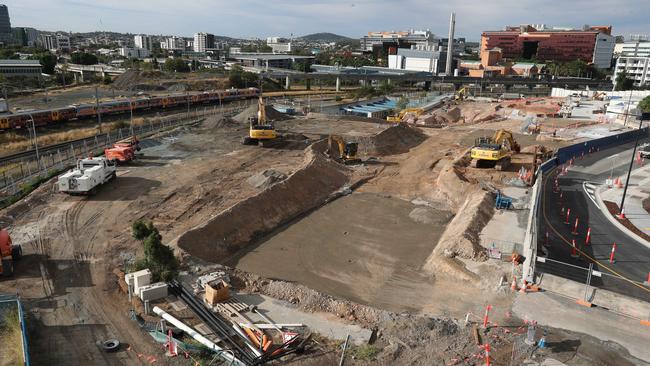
[[354, 18]]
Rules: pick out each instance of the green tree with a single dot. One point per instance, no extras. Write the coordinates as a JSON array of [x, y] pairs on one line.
[[176, 65], [159, 258], [239, 78], [107, 79], [83, 58], [644, 105], [623, 82], [154, 63], [48, 61]]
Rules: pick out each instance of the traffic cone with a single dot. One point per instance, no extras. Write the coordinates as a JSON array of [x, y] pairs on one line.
[[513, 285], [523, 288], [574, 250]]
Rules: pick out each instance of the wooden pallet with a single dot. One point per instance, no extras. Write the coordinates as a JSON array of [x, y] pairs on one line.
[[231, 305]]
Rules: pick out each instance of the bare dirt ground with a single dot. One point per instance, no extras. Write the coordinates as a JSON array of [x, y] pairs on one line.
[[394, 243]]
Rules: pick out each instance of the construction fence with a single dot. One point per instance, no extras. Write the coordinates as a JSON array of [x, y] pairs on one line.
[[532, 240], [20, 175]]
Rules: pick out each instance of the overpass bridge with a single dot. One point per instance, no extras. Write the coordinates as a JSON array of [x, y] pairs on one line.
[[81, 72], [369, 74]]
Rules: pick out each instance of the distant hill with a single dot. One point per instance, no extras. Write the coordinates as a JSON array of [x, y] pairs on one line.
[[327, 37]]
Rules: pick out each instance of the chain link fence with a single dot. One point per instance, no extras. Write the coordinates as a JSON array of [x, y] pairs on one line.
[[21, 175]]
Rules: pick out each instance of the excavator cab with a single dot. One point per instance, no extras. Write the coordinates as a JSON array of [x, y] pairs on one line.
[[342, 151], [494, 152]]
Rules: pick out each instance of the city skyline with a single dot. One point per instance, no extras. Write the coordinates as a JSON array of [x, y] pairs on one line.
[[352, 19]]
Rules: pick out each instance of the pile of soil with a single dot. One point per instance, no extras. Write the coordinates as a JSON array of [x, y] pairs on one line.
[[271, 114], [266, 178], [394, 140], [126, 80], [235, 227]]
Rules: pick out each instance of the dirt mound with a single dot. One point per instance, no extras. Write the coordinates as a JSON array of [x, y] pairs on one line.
[[266, 178], [234, 228], [394, 140], [271, 114], [126, 80]]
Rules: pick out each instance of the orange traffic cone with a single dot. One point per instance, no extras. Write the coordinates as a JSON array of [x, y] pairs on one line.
[[523, 288], [513, 286]]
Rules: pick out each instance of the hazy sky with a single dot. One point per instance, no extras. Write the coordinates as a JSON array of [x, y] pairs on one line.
[[261, 18]]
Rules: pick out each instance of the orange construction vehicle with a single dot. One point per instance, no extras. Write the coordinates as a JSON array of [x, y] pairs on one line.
[[123, 151], [9, 253]]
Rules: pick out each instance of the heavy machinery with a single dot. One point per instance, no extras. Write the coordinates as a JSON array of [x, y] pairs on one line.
[[461, 94], [494, 152], [261, 131], [342, 151], [9, 252], [89, 174], [123, 151], [417, 112]]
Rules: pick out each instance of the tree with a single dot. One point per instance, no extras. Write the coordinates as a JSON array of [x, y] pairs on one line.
[[239, 78], [48, 61], [644, 105], [154, 63], [623, 82], [83, 58], [159, 258], [176, 65]]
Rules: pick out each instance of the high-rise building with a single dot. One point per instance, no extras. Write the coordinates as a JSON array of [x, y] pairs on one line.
[[19, 36], [56, 42], [279, 44], [590, 44], [173, 43], [203, 42], [142, 41], [5, 26]]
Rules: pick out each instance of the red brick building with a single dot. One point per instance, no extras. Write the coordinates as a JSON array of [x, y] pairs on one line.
[[592, 45]]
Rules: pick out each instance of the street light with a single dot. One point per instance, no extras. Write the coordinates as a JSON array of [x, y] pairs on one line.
[[641, 118]]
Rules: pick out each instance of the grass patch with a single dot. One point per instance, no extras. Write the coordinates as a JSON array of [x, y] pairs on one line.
[[11, 352], [367, 352]]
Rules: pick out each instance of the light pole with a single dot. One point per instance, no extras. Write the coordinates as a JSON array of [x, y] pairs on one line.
[[38, 158], [643, 116]]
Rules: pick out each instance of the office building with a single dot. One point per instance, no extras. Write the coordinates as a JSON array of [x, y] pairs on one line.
[[55, 42], [590, 44], [19, 36], [635, 48], [143, 41], [5, 26], [636, 68], [418, 60], [136, 52], [173, 44], [29, 68], [203, 42], [422, 40], [279, 45]]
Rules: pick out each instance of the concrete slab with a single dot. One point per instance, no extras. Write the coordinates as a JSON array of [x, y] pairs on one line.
[[553, 310], [325, 324]]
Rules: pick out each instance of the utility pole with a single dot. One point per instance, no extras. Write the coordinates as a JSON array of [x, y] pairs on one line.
[[99, 115], [621, 214]]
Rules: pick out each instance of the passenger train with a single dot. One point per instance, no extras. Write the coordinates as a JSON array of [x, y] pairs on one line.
[[23, 119]]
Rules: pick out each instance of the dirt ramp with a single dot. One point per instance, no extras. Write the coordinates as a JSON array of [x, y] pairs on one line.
[[394, 140], [271, 114], [235, 227]]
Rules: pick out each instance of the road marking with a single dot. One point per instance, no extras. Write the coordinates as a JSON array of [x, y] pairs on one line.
[[612, 156], [590, 190]]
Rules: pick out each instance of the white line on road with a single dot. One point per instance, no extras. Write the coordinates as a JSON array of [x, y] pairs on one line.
[[590, 190]]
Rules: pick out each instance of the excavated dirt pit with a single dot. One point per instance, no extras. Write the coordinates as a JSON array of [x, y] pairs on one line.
[[363, 247]]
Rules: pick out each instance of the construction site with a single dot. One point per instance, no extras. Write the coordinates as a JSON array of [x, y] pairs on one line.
[[308, 239]]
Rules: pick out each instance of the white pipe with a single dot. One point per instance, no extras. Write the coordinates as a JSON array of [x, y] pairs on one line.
[[227, 355]]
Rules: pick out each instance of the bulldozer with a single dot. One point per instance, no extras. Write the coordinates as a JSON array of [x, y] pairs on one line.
[[261, 131], [495, 151], [9, 252], [417, 112], [342, 151]]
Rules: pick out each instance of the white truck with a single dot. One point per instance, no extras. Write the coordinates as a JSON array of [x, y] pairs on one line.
[[87, 176]]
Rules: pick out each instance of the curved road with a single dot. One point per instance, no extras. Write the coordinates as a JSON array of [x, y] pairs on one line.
[[632, 259]]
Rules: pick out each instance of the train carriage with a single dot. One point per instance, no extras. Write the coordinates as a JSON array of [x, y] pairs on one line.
[[140, 104], [63, 114], [86, 110]]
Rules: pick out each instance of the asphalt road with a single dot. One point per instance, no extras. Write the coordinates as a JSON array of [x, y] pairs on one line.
[[632, 259]]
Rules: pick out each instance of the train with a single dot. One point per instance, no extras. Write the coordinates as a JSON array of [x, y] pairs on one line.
[[23, 119]]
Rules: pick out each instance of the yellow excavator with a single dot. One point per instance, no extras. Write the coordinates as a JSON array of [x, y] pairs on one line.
[[342, 151], [461, 94], [400, 116], [495, 151], [261, 131]]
